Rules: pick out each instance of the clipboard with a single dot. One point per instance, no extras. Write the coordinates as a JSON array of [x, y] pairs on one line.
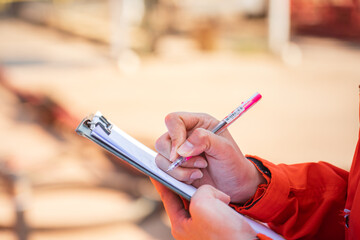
[[102, 132]]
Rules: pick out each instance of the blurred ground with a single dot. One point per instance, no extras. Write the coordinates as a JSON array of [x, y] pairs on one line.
[[309, 112]]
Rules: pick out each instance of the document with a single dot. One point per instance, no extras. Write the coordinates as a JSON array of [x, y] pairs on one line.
[[98, 129], [140, 154]]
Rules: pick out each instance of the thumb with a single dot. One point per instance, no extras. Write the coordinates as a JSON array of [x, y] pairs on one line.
[[208, 192], [202, 140]]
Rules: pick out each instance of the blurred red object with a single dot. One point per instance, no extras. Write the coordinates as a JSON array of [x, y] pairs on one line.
[[43, 108], [339, 19]]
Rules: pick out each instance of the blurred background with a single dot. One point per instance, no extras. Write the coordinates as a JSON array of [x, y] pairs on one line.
[[138, 60]]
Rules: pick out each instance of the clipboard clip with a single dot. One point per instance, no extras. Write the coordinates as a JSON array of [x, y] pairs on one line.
[[99, 121]]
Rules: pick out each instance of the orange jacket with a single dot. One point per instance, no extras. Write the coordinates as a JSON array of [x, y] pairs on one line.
[[309, 200], [301, 201]]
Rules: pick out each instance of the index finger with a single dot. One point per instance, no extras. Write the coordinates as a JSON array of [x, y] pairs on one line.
[[179, 124]]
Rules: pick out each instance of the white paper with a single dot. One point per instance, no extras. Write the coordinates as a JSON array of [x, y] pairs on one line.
[[145, 157], [139, 153]]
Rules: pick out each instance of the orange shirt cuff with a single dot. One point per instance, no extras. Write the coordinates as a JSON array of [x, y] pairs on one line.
[[268, 199]]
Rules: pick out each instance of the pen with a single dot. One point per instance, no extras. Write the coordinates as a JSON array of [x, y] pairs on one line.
[[223, 124]]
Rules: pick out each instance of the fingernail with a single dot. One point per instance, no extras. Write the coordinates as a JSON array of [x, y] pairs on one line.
[[200, 164], [196, 175], [185, 148]]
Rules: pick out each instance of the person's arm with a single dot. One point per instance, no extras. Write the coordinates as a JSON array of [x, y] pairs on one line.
[[301, 200], [298, 201]]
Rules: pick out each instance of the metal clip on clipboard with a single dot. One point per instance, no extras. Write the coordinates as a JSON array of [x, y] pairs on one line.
[[93, 120], [101, 131]]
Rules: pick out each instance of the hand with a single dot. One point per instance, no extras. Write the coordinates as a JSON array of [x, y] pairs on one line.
[[216, 159], [209, 217]]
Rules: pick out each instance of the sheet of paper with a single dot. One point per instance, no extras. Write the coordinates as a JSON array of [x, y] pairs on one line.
[[139, 153]]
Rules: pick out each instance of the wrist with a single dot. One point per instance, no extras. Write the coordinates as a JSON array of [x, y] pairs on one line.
[[255, 178], [258, 175]]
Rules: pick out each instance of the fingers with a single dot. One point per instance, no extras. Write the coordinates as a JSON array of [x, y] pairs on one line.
[[177, 132], [209, 207], [205, 200], [163, 147], [207, 192], [172, 203], [179, 124], [211, 217], [202, 140], [183, 173]]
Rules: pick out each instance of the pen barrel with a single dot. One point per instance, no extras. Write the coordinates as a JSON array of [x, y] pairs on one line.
[[220, 127], [223, 124], [239, 111]]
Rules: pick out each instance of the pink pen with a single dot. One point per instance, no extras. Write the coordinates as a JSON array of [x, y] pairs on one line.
[[229, 119]]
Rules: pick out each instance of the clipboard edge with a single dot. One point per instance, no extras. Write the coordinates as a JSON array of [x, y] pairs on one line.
[[85, 131]]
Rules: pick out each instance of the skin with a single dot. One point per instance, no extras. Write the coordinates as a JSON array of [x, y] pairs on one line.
[[209, 216], [217, 168], [216, 160]]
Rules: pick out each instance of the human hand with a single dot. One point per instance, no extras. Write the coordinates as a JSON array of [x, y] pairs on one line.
[[216, 159], [209, 215]]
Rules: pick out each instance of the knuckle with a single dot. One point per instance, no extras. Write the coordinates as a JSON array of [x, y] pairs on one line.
[[205, 187], [170, 117], [197, 206], [162, 142], [202, 192], [175, 141], [158, 144], [201, 135]]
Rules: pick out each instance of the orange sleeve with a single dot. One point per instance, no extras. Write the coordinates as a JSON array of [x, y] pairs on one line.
[[301, 200]]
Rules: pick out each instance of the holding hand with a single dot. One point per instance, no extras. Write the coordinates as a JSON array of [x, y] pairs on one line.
[[215, 159], [206, 217]]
